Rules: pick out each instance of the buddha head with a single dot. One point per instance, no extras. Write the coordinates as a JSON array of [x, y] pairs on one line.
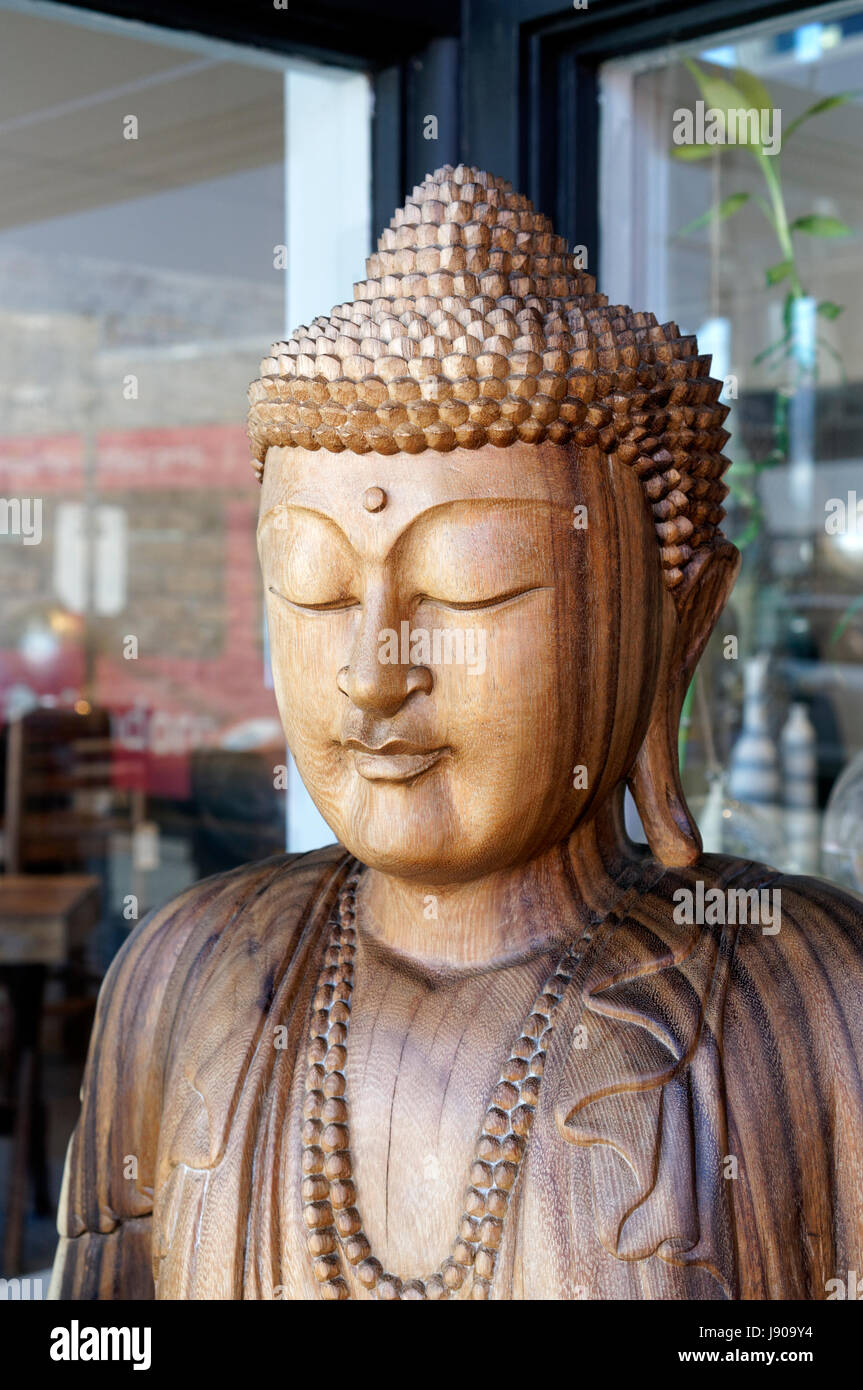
[[489, 535]]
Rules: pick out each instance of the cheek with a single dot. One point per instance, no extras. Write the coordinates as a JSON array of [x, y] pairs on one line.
[[513, 724], [304, 655]]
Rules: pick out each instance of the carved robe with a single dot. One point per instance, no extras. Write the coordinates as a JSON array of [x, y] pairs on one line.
[[698, 1134]]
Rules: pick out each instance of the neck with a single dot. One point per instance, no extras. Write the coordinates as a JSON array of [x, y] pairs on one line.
[[507, 915]]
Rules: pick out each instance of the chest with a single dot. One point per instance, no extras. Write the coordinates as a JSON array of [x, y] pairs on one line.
[[432, 1153], [426, 1060]]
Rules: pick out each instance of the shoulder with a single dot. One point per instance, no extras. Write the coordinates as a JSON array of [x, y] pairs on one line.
[[724, 949], [170, 941], [240, 927]]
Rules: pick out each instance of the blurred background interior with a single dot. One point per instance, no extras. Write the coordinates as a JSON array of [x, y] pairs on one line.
[[180, 186]]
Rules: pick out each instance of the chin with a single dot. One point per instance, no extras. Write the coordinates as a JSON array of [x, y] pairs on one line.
[[424, 849]]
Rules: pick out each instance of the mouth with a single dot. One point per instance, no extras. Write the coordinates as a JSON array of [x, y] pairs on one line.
[[396, 761]]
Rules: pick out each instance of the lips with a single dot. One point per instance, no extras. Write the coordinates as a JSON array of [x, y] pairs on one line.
[[395, 761]]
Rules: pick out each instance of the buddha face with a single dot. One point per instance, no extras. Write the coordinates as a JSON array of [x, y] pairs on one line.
[[455, 642]]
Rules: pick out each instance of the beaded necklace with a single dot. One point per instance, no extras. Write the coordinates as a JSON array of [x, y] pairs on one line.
[[334, 1226]]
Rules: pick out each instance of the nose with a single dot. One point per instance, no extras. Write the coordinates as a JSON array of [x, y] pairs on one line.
[[383, 694], [379, 686]]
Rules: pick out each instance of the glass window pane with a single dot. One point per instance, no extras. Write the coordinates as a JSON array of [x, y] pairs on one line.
[[761, 257], [170, 208]]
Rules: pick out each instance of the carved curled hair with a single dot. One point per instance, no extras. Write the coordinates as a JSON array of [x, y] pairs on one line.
[[475, 326]]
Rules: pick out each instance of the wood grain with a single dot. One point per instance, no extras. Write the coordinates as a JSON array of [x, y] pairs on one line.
[[282, 1064]]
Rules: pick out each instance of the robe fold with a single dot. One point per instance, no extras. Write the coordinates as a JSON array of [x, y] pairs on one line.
[[698, 1134]]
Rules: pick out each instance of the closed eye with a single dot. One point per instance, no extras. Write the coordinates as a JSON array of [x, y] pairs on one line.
[[338, 605], [485, 604]]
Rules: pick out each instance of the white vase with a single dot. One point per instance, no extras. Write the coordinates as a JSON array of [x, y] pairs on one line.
[[754, 768]]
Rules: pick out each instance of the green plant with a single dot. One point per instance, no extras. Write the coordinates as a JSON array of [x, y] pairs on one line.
[[744, 91]]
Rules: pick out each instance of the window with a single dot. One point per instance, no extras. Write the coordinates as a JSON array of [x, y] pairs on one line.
[[699, 236]]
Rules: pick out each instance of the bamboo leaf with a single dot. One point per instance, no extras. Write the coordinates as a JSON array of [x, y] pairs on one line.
[[817, 225], [719, 212], [829, 310], [770, 349], [853, 608], [788, 312], [717, 91], [689, 153], [753, 89], [825, 104], [777, 273]]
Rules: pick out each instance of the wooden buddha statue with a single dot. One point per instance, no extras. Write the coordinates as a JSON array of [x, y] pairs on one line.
[[476, 1049]]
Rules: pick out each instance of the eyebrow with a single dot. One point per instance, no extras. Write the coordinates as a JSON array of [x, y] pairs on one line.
[[486, 503]]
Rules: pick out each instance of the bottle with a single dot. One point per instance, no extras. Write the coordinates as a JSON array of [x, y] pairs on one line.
[[754, 770], [798, 744]]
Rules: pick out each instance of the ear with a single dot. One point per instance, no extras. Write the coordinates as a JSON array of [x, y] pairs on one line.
[[655, 784]]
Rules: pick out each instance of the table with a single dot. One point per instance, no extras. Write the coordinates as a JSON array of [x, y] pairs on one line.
[[45, 920]]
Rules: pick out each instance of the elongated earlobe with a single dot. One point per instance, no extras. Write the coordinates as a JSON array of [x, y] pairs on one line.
[[669, 825], [654, 781]]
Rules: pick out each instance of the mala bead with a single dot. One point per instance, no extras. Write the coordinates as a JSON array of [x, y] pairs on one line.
[[496, 1122], [413, 1289], [335, 1291], [333, 1138], [317, 1215], [462, 1252], [481, 1175], [529, 1091], [474, 1202], [512, 1148], [369, 1272], [469, 1229], [515, 1069], [328, 1190], [322, 1242], [488, 1148], [490, 1232], [453, 1274], [313, 1105], [348, 1222], [505, 1175], [504, 1095], [357, 1248], [497, 1202], [312, 1131], [319, 1023], [522, 1119], [342, 1196], [343, 1193], [337, 1165]]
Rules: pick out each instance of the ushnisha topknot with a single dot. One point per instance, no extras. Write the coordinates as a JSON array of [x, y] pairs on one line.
[[476, 327]]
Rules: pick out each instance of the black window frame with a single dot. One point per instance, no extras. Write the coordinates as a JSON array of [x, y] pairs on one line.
[[514, 84]]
